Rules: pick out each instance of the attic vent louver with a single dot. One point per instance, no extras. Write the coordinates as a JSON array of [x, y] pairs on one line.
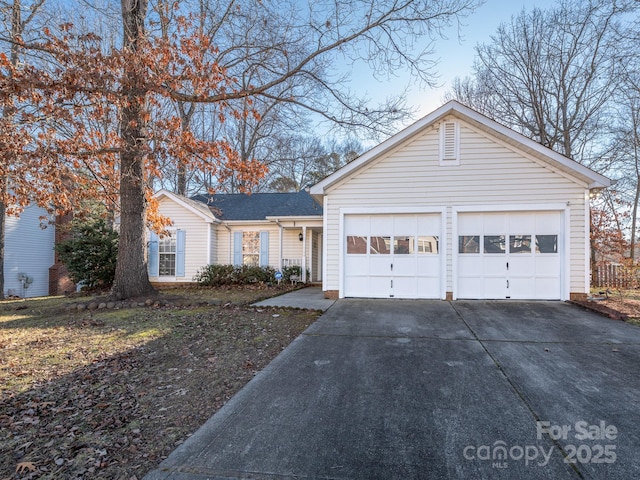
[[450, 143]]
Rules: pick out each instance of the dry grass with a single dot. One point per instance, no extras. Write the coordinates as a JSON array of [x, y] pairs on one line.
[[109, 393]]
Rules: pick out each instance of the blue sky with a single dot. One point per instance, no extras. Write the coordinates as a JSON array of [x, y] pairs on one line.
[[456, 56]]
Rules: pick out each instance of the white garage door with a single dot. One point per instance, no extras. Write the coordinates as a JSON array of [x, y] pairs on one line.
[[392, 256], [509, 255]]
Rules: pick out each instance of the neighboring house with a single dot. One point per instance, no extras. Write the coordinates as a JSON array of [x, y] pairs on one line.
[[457, 206], [274, 229], [28, 253]]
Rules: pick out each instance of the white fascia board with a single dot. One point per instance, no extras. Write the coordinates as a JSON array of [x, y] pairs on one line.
[[209, 218], [320, 187], [594, 180], [232, 223], [298, 221]]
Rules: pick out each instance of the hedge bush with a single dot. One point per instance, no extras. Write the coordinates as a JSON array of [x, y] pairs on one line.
[[287, 272], [218, 275], [90, 254]]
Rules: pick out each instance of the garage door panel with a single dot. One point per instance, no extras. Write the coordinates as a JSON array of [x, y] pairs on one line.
[[549, 266], [471, 265], [494, 287], [405, 266], [357, 286], [381, 225], [429, 223], [356, 224], [428, 265], [521, 223], [521, 263], [548, 223], [380, 265], [547, 288], [521, 288], [399, 250], [495, 223], [428, 287], [379, 287], [509, 255], [492, 266], [469, 224], [358, 264], [405, 287], [404, 225]]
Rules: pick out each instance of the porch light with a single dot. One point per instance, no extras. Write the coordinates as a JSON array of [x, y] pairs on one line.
[[300, 237]]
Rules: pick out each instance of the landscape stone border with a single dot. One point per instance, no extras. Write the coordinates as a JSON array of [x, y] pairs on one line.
[[149, 302]]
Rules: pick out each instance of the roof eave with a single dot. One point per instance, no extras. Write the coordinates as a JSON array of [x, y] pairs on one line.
[[209, 218], [594, 180]]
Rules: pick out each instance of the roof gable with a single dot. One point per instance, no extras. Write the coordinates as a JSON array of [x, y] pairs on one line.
[[483, 123], [195, 207], [259, 206]]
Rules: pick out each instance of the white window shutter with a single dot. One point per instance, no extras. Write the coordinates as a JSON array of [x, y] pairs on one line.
[[153, 260], [264, 249], [180, 252], [450, 143], [237, 248]]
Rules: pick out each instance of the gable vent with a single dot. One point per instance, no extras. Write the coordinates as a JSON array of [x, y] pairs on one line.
[[450, 143]]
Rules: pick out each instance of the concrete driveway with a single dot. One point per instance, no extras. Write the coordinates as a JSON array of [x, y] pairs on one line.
[[431, 389]]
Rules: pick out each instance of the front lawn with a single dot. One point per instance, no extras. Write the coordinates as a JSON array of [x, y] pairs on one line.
[[108, 394]]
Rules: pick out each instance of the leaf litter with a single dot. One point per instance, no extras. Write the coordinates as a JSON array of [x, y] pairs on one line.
[[111, 395]]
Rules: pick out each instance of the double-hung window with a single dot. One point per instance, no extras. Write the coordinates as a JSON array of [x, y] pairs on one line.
[[167, 249], [251, 248], [166, 254]]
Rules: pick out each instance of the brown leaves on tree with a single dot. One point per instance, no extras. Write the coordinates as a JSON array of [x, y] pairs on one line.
[[63, 134]]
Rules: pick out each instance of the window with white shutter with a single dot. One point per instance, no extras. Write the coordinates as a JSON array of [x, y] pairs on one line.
[[449, 143]]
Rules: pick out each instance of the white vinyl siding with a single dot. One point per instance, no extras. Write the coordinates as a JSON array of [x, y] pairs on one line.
[[29, 249], [197, 238], [492, 173], [291, 244]]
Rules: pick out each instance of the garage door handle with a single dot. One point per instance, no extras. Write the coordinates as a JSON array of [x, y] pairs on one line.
[[507, 283], [507, 265], [392, 267]]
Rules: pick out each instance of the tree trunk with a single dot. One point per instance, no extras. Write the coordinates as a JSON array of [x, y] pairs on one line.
[[186, 114], [2, 230], [634, 218], [132, 278], [16, 31]]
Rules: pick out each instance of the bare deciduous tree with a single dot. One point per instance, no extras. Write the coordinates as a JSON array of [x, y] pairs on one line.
[[18, 20], [550, 74], [291, 63]]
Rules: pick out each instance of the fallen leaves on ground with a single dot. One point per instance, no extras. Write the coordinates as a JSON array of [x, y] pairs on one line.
[[133, 388]]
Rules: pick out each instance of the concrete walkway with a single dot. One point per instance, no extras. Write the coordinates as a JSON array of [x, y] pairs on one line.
[[404, 389], [310, 298]]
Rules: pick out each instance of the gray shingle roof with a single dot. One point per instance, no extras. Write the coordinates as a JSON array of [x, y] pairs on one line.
[[258, 206]]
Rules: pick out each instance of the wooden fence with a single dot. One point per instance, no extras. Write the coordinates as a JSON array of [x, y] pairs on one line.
[[614, 276]]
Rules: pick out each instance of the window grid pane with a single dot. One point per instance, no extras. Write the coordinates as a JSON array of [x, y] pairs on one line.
[[251, 248], [428, 244], [520, 244], [356, 245], [546, 243], [494, 244], [167, 255], [403, 245], [380, 245], [469, 243]]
